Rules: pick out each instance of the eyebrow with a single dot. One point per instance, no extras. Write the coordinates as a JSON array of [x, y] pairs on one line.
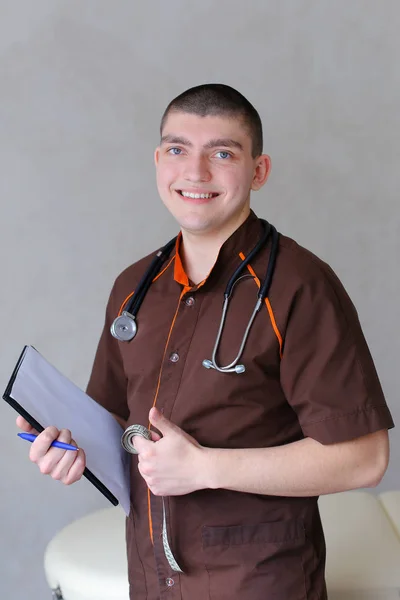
[[219, 142]]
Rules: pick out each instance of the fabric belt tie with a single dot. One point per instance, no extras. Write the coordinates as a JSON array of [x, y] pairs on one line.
[[127, 443]]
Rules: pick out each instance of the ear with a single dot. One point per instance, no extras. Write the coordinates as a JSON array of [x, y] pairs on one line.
[[156, 155], [261, 172]]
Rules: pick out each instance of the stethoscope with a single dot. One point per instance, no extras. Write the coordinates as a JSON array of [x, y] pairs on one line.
[[124, 327]]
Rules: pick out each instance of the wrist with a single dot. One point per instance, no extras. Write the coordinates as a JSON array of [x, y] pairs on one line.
[[208, 470]]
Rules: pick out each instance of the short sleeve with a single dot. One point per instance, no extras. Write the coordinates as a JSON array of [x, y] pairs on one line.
[[327, 372], [108, 384]]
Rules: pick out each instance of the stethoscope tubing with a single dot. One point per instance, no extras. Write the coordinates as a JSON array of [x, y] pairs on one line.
[[260, 244], [262, 295], [231, 365], [145, 282], [127, 320]]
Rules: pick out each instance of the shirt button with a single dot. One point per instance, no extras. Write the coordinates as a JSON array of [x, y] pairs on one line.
[[174, 357], [169, 581], [189, 301]]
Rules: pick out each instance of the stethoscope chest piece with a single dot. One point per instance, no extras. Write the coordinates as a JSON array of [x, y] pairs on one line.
[[124, 328], [128, 435]]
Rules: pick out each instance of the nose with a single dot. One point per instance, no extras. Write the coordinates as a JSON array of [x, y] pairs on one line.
[[197, 169]]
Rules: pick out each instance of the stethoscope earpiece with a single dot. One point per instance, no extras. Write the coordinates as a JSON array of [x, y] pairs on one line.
[[236, 369], [207, 364]]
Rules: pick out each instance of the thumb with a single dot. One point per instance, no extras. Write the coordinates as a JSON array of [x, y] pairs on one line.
[[160, 422]]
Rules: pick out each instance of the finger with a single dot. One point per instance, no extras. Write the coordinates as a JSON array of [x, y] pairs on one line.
[[76, 470], [24, 425], [42, 444], [141, 444], [144, 472], [155, 437], [70, 472], [161, 423], [56, 461], [47, 456]]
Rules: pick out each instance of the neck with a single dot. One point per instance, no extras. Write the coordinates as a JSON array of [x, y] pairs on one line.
[[199, 251]]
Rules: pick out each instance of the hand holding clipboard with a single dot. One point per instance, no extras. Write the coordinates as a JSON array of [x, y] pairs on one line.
[[44, 397], [64, 466]]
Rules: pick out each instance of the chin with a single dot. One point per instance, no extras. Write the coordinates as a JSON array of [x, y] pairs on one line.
[[194, 225]]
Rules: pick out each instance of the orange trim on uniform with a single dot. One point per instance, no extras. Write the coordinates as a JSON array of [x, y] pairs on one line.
[[202, 282], [149, 515], [269, 307], [183, 292], [164, 269], [179, 272], [124, 302], [155, 279], [275, 326]]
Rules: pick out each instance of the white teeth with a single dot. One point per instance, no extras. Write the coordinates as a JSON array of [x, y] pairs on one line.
[[190, 195]]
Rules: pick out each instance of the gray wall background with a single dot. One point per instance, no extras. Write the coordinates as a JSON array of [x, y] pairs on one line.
[[83, 85]]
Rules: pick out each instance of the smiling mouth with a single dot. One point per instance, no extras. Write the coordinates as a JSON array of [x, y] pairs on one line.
[[195, 196]]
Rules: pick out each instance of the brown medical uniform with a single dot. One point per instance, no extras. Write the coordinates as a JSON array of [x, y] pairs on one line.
[[308, 373]]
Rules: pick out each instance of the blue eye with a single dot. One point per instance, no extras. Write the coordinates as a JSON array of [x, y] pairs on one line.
[[174, 151], [225, 154]]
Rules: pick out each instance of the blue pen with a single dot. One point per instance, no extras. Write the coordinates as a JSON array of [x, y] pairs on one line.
[[31, 437]]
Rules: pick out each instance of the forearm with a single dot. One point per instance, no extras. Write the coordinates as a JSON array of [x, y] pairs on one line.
[[303, 468]]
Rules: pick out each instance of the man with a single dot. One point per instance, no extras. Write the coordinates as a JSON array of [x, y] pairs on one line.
[[236, 460]]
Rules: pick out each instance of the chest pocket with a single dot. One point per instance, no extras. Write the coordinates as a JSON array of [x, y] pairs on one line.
[[255, 562]]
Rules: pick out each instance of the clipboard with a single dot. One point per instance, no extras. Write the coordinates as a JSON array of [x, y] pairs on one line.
[[34, 423]]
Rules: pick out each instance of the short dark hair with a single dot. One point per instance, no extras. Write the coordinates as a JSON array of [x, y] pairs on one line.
[[218, 99]]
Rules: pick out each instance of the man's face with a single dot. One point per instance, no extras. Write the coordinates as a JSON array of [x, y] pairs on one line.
[[205, 171]]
